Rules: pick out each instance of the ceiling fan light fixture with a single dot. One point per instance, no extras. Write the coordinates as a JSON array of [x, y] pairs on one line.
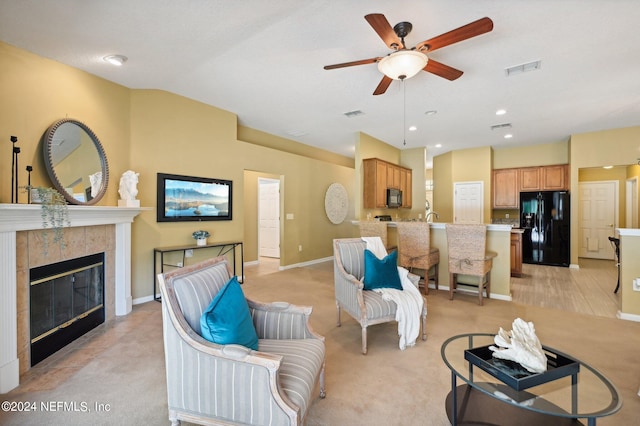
[[402, 64]]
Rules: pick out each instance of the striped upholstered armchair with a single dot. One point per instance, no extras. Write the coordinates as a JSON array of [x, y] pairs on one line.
[[208, 383], [365, 306]]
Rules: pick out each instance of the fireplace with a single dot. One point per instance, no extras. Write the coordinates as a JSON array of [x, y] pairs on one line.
[[66, 301], [93, 229]]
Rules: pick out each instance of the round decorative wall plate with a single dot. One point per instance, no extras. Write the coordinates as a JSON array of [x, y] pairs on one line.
[[336, 203]]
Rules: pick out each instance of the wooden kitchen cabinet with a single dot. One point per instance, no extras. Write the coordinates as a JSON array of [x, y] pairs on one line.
[[554, 178], [529, 179], [406, 187], [380, 175], [544, 178], [516, 253], [393, 176], [375, 183], [505, 189]]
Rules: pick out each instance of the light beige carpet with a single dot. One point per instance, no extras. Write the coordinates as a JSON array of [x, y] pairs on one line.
[[385, 387]]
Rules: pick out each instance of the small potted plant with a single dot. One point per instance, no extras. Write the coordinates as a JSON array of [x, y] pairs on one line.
[[201, 237], [54, 214]]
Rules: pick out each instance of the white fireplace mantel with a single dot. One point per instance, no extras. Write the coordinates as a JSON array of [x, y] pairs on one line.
[[25, 217]]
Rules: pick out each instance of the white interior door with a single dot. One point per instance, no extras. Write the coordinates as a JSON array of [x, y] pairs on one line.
[[468, 202], [597, 218], [268, 217]]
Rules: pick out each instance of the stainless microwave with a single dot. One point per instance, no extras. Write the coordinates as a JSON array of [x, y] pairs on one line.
[[394, 198]]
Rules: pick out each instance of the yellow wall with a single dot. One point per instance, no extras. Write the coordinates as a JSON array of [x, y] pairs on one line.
[[535, 155], [443, 187], [467, 165], [267, 140], [36, 92], [152, 131]]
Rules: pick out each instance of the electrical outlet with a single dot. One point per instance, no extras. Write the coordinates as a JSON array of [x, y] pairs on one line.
[[188, 253], [636, 284], [300, 247], [179, 264], [506, 215]]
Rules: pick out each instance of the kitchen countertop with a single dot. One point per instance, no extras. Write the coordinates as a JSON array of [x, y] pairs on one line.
[[440, 225]]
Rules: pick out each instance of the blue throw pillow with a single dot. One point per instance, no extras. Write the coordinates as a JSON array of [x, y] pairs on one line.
[[381, 273], [227, 320]]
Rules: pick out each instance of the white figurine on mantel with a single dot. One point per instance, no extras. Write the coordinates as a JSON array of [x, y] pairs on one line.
[[128, 189], [522, 346]]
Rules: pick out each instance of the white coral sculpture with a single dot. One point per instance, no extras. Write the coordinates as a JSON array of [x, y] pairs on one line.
[[521, 345]]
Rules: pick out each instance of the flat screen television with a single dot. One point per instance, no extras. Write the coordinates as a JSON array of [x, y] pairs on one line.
[[190, 198]]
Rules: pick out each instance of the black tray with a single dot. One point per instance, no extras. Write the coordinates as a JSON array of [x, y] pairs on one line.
[[515, 375]]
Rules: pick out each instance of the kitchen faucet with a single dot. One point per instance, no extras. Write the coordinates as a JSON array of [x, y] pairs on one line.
[[429, 214]]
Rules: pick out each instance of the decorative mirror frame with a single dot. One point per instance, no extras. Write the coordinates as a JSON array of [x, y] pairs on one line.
[[48, 161]]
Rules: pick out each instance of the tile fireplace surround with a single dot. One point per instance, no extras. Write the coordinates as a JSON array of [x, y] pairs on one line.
[[85, 220]]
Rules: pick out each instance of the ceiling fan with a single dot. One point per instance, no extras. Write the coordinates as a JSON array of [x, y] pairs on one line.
[[404, 63]]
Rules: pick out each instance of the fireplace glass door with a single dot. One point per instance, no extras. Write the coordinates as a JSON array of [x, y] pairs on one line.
[[67, 300]]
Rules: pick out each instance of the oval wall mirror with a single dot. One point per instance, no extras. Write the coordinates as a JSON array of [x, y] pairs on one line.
[[76, 162]]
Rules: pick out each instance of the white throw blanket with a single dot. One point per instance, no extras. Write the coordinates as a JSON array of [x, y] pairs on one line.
[[409, 301]]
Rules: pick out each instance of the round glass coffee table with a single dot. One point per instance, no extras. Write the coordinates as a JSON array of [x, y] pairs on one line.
[[484, 397]]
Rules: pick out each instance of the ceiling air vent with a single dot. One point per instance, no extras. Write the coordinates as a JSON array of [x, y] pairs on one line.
[[519, 69], [501, 126], [354, 113]]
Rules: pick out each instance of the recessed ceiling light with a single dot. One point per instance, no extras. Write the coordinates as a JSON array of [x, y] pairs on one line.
[[116, 60], [508, 136], [501, 112], [431, 112], [413, 128], [438, 145]]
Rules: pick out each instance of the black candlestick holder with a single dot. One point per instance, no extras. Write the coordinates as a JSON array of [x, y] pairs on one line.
[[14, 170]]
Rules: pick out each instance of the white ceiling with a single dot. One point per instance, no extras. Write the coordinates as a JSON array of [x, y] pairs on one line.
[[263, 60]]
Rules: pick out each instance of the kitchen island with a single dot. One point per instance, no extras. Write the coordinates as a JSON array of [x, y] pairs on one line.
[[498, 240]]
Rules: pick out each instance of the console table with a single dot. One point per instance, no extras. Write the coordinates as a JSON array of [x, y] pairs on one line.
[[220, 248]]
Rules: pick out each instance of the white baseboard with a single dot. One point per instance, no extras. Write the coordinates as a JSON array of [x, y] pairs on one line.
[[303, 264], [141, 300], [628, 317]]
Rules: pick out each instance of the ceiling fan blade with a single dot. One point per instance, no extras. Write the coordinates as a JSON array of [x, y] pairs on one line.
[[383, 85], [381, 26], [465, 32], [350, 64], [442, 70]]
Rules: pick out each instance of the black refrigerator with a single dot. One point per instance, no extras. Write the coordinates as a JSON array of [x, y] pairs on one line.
[[544, 216]]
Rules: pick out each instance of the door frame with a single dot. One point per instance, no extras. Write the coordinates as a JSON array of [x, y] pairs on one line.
[[261, 181], [481, 198], [616, 209]]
